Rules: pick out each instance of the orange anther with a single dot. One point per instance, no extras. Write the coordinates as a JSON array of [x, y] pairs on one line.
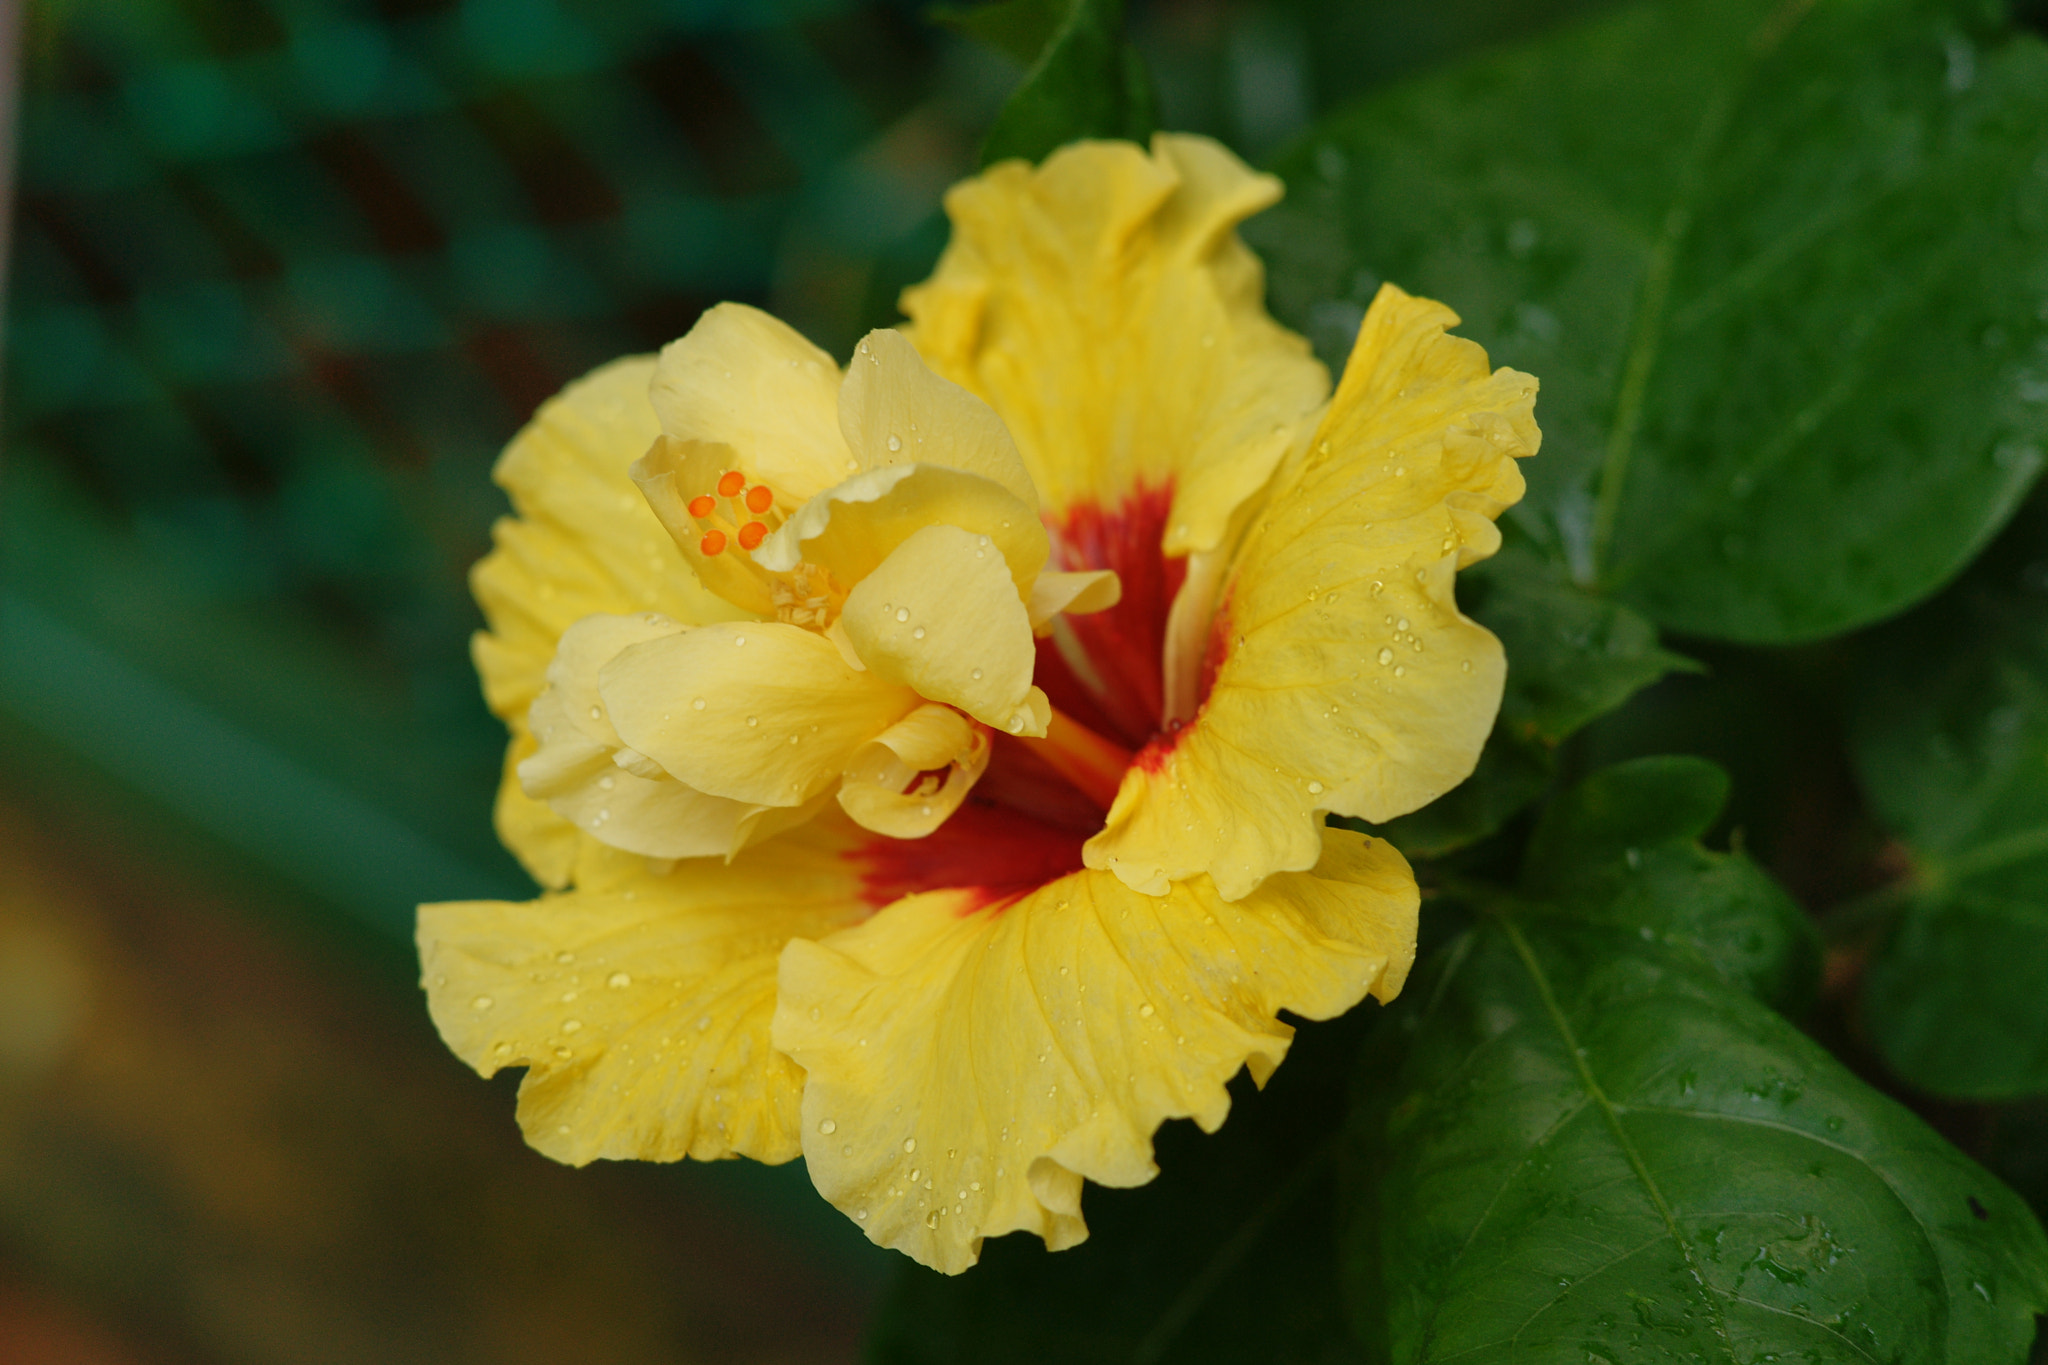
[[713, 542], [751, 535], [760, 498], [730, 483], [703, 505]]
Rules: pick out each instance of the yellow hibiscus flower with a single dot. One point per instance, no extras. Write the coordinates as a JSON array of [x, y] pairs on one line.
[[929, 760]]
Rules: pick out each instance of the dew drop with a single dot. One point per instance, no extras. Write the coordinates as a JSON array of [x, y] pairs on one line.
[[1401, 624], [974, 1185], [828, 1127], [618, 981], [605, 783], [697, 705], [572, 1026], [1399, 670], [909, 1145], [738, 640], [1315, 789], [753, 721], [860, 1215], [1146, 1011], [916, 1175], [1386, 656], [596, 714], [976, 675], [482, 1003], [903, 613], [917, 634], [895, 443]]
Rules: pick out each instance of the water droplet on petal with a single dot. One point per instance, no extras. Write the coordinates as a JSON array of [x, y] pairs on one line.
[[1386, 656], [909, 1144], [1146, 1011], [482, 1003], [917, 634], [572, 1025], [618, 981], [827, 1127], [895, 443], [903, 613], [1315, 789], [697, 705]]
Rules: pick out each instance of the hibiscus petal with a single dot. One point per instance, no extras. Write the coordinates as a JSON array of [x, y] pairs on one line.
[[1349, 681], [751, 382], [916, 773], [1079, 593], [941, 614], [893, 410], [660, 817], [582, 542], [967, 1069], [852, 527], [1104, 306], [763, 713], [641, 1007]]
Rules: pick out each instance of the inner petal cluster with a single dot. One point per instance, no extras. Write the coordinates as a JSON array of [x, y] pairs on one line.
[[894, 563]]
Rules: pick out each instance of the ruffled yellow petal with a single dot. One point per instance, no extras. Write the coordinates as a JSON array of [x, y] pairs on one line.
[[1348, 681], [582, 541], [893, 410], [762, 713], [1104, 306], [941, 614], [967, 1069], [641, 1006], [750, 382], [915, 773]]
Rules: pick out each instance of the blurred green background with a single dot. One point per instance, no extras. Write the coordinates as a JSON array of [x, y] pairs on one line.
[[284, 275]]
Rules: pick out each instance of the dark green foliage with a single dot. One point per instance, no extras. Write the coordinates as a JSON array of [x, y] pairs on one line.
[[1600, 1145], [1951, 744], [1779, 267], [1084, 80]]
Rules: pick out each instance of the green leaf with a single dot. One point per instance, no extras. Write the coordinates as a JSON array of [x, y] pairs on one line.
[[1950, 738], [1228, 1256], [1020, 28], [1572, 657], [1598, 1146], [1086, 82], [1780, 266]]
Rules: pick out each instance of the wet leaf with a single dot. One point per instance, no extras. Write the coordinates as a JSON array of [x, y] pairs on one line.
[[1780, 266], [1599, 1144]]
